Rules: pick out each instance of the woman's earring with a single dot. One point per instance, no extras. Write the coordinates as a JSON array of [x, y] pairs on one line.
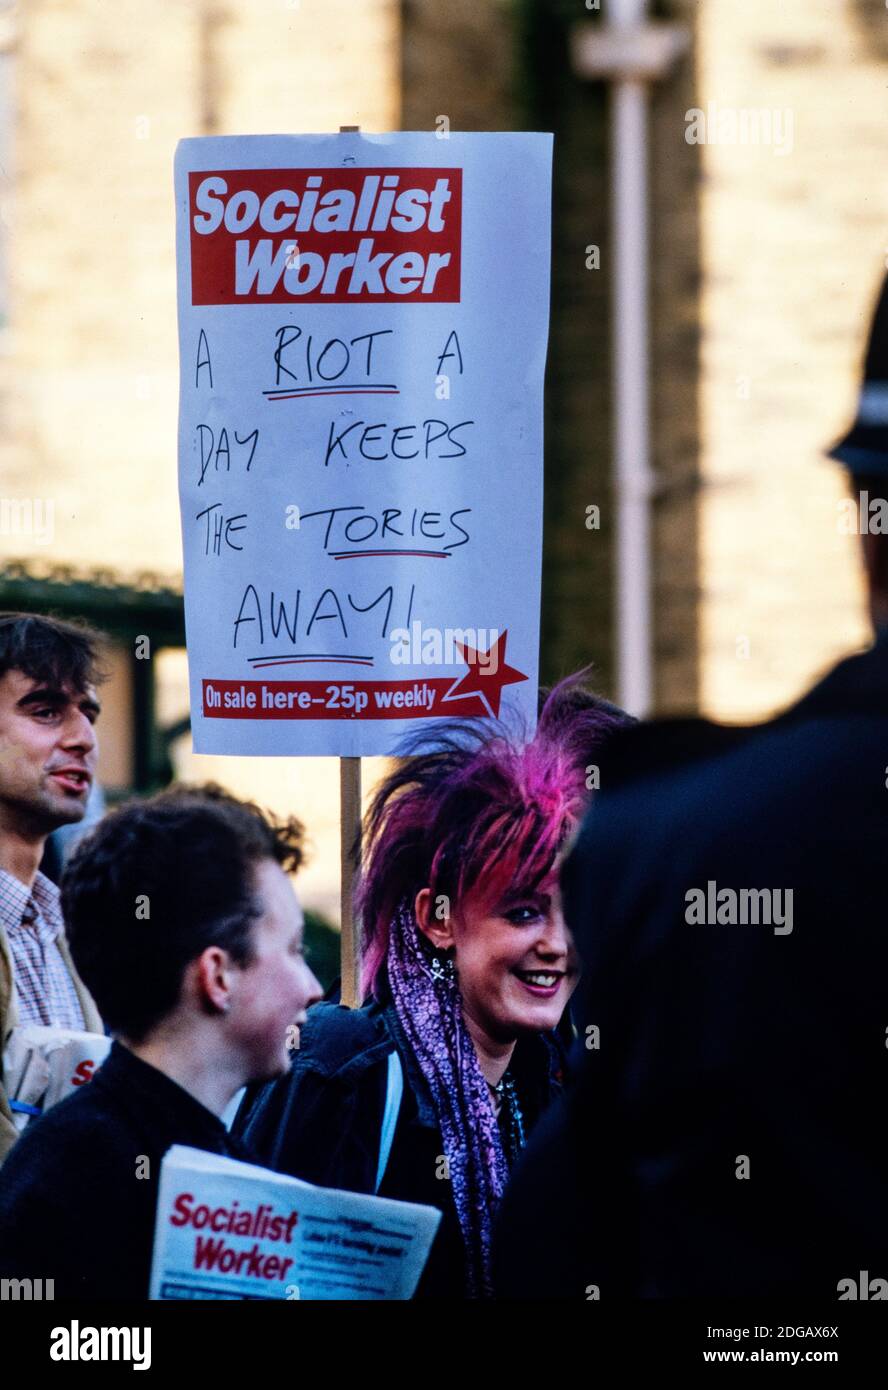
[[443, 966]]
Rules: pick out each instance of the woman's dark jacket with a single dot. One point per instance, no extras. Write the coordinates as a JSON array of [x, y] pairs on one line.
[[322, 1121]]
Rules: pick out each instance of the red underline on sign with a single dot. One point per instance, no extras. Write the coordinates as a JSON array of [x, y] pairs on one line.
[[343, 391], [303, 660], [362, 554]]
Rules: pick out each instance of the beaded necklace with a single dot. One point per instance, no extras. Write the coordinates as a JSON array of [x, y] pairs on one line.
[[510, 1117]]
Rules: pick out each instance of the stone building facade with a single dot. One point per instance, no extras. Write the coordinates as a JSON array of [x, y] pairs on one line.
[[765, 258]]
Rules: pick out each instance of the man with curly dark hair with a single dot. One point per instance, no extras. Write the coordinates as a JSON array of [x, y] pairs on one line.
[[184, 925], [48, 709]]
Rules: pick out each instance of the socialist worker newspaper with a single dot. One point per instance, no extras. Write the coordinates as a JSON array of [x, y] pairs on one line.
[[231, 1230]]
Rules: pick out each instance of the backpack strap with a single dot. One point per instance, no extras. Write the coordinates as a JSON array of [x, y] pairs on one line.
[[393, 1092]]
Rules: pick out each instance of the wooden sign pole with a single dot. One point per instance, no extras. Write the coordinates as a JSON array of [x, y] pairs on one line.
[[349, 850], [349, 856]]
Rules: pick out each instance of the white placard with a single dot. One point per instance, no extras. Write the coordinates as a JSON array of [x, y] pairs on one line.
[[363, 324]]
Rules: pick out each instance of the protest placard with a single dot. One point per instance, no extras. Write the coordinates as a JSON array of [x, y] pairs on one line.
[[363, 324], [227, 1229]]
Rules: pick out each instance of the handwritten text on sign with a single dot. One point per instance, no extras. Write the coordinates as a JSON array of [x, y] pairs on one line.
[[362, 340]]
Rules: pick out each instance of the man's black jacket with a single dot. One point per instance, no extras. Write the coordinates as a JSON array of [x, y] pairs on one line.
[[78, 1192], [726, 1135]]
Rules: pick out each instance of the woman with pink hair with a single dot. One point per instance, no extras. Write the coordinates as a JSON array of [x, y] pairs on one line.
[[428, 1092]]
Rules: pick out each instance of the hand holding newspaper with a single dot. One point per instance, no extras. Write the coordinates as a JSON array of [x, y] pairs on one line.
[[232, 1230], [42, 1064]]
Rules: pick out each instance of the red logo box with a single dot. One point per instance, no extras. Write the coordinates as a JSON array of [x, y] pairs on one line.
[[325, 236]]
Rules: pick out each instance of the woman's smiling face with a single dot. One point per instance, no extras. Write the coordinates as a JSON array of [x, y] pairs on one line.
[[516, 962]]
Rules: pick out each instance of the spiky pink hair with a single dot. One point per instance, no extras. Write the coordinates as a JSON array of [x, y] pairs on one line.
[[478, 812]]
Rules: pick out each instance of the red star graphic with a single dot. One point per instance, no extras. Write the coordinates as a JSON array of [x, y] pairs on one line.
[[482, 680]]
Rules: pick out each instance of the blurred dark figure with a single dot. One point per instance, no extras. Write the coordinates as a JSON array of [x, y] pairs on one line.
[[726, 1132]]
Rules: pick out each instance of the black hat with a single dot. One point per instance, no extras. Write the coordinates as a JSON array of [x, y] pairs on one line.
[[864, 448]]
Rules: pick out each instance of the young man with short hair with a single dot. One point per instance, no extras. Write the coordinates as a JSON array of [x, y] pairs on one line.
[[48, 752], [185, 927]]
